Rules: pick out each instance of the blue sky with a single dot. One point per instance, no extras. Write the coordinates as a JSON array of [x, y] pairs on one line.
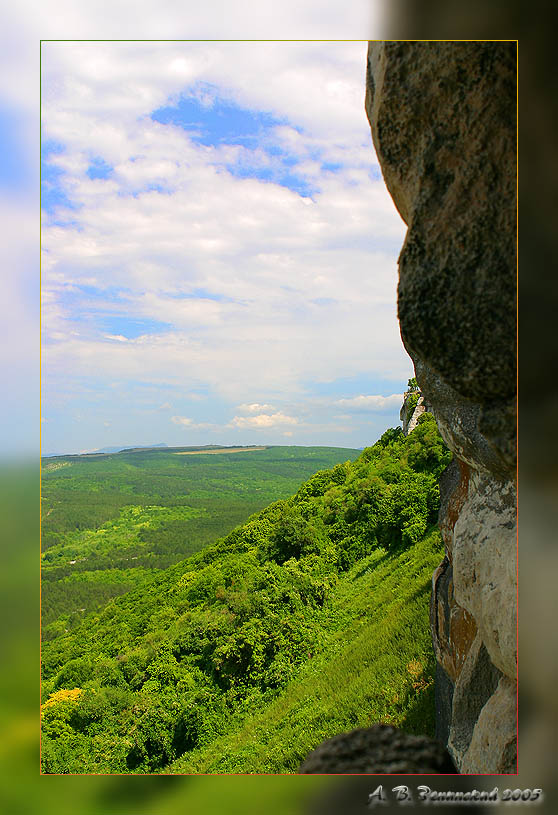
[[219, 249], [214, 121]]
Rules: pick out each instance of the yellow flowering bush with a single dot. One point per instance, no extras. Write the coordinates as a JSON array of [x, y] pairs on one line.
[[63, 695]]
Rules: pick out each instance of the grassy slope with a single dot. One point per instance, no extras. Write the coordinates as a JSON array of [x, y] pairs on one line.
[[377, 666], [308, 620]]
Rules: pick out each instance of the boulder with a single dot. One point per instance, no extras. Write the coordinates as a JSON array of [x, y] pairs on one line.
[[378, 749]]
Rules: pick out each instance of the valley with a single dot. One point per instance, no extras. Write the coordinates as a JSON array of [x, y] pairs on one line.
[[111, 520], [237, 646]]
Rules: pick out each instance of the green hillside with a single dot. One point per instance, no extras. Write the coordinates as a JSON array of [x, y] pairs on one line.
[[308, 619], [111, 520]]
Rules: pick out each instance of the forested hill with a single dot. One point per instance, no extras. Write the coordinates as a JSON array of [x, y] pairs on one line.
[[309, 619], [110, 521]]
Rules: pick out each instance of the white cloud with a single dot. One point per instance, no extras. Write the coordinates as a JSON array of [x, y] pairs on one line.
[[107, 85], [302, 82], [373, 403], [246, 290], [254, 408], [263, 421], [183, 420]]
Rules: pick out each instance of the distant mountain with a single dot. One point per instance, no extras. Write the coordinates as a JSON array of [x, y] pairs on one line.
[[129, 447]]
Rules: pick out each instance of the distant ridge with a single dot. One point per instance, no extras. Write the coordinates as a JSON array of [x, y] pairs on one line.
[[120, 448], [105, 451], [202, 448]]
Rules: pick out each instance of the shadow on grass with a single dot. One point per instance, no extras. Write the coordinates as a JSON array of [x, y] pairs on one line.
[[420, 717], [370, 567]]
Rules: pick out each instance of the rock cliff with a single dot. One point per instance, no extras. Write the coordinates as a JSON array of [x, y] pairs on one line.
[[414, 405], [443, 120]]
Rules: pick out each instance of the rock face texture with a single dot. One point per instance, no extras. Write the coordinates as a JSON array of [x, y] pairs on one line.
[[443, 120], [379, 749]]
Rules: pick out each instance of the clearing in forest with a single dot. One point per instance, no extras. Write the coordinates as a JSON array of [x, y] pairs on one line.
[[220, 450]]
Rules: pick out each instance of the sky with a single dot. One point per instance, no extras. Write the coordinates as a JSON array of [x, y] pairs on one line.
[[296, 111], [218, 247]]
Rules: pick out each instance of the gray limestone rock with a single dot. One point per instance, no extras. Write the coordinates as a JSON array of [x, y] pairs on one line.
[[443, 121], [410, 412], [493, 745], [474, 687], [484, 555], [443, 118]]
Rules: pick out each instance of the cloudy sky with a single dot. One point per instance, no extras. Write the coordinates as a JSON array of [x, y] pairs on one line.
[[218, 247], [24, 25]]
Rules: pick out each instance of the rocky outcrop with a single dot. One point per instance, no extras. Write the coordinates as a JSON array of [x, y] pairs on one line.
[[443, 122], [414, 405]]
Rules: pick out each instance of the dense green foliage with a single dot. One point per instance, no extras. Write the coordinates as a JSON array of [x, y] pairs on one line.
[[110, 520], [412, 396], [308, 619]]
